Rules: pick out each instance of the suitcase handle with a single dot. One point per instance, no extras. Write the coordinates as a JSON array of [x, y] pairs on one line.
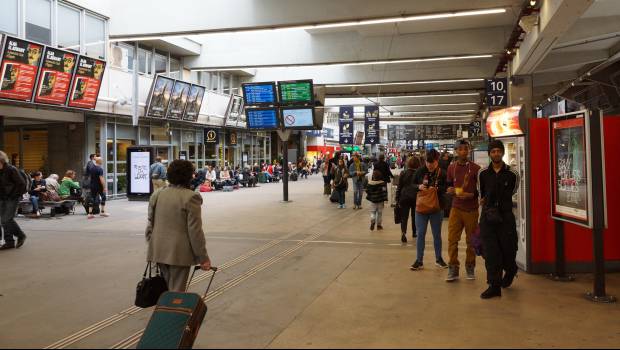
[[196, 268]]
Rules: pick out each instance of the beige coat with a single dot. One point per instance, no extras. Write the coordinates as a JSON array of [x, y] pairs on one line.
[[174, 230]]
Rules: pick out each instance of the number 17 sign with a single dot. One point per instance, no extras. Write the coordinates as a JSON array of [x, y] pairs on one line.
[[497, 92]]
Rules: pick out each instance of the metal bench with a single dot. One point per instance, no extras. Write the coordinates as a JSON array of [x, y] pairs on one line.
[[52, 205]]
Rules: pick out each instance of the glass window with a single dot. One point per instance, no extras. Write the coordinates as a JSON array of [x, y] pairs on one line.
[[38, 21], [226, 83], [122, 56], [215, 81], [68, 28], [144, 61], [8, 17], [175, 69], [161, 64], [95, 37]]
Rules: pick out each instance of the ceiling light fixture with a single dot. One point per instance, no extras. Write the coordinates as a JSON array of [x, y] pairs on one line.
[[413, 82], [354, 23], [412, 105]]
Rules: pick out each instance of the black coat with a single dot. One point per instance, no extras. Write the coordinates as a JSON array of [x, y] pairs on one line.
[[384, 168], [11, 183]]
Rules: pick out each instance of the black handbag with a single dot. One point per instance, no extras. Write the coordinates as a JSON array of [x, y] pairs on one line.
[[150, 289]]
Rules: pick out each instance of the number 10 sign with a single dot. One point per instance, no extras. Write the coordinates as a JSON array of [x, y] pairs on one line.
[[497, 92]]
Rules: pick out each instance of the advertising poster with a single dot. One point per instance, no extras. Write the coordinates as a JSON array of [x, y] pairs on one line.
[[140, 168], [86, 83], [232, 138], [178, 100], [160, 97], [194, 103], [55, 78], [234, 111], [371, 125], [20, 65], [569, 160], [345, 121], [212, 136], [504, 122]]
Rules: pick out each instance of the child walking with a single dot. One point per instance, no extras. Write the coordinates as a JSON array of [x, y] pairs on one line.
[[377, 195]]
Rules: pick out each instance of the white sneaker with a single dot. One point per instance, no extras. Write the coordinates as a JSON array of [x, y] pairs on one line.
[[105, 215]]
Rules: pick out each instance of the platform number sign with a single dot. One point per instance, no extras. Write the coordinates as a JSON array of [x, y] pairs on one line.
[[497, 92]]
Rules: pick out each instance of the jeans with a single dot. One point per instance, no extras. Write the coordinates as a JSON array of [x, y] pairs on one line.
[[341, 198], [35, 203], [421, 221], [8, 207], [376, 212], [98, 197], [358, 192]]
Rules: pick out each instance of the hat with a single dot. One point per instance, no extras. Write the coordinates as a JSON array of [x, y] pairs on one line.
[[496, 144]]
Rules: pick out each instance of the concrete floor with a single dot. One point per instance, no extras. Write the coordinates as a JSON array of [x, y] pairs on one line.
[[296, 275]]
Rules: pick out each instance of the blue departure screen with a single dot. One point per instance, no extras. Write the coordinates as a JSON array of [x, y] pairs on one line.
[[259, 94], [262, 118]]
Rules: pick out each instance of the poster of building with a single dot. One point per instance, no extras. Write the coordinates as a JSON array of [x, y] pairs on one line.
[[345, 122], [371, 125], [55, 78], [194, 103], [570, 180], [178, 100], [20, 64], [160, 97], [86, 83]]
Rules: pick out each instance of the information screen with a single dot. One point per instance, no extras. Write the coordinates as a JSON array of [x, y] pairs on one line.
[[295, 92], [259, 94], [55, 78], [262, 118], [139, 172], [298, 118], [20, 65]]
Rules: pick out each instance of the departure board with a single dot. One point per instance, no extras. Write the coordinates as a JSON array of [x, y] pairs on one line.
[[295, 91], [259, 94], [262, 118]]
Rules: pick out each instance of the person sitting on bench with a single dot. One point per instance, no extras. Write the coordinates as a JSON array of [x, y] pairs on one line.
[[69, 188], [36, 189]]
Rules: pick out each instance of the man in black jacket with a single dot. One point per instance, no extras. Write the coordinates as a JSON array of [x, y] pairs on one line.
[[12, 186], [384, 168], [497, 184]]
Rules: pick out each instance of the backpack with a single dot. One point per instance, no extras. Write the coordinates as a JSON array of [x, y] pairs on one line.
[[27, 182]]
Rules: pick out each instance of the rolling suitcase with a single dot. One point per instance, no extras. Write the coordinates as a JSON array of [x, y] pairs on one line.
[[176, 320]]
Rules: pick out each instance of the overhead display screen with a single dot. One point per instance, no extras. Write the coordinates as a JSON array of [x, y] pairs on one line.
[[55, 78], [298, 118], [262, 118], [86, 83], [20, 65], [296, 91], [178, 100], [259, 94]]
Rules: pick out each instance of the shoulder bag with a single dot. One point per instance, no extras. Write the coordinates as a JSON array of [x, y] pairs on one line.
[[427, 201], [150, 289]]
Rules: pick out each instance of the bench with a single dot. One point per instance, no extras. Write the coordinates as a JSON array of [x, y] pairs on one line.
[[52, 205]]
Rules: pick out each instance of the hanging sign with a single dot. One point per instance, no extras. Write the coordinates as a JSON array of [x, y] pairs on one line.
[[211, 136], [20, 64], [55, 77], [371, 125], [345, 121], [86, 83], [497, 92]]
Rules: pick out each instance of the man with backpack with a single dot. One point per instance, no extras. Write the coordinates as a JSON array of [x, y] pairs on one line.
[[12, 187]]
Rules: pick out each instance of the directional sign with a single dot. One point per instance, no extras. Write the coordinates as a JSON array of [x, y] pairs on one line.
[[371, 124], [497, 92], [346, 125]]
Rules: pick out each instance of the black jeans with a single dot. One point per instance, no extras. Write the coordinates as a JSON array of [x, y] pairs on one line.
[[11, 229], [500, 248], [404, 218]]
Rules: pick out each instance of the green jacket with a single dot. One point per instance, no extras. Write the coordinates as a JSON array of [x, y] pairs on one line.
[[66, 185]]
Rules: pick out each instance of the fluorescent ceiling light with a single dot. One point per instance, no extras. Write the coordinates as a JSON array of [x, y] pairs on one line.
[[354, 23], [421, 96], [409, 105], [347, 64], [414, 82]]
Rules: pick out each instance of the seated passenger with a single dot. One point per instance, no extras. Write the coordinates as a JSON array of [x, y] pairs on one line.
[[211, 176], [51, 183], [69, 188], [36, 190], [225, 177]]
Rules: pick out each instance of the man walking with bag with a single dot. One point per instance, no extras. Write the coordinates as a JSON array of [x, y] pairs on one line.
[[12, 187], [497, 184], [158, 174], [462, 182]]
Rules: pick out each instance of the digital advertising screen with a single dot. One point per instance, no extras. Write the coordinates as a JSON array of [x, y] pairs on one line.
[[297, 118], [259, 94], [20, 64], [86, 83], [570, 169], [262, 118], [138, 171], [160, 97], [504, 122], [194, 103], [294, 92], [55, 77], [178, 100]]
